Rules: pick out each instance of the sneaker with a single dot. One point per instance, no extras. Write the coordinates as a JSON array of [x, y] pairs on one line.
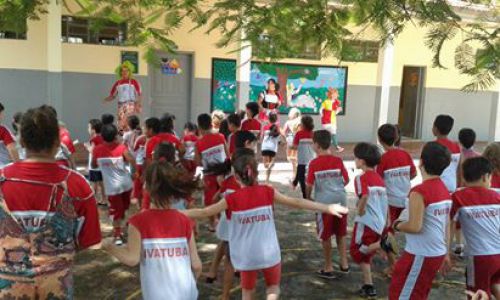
[[326, 275], [344, 270], [388, 244], [459, 250], [118, 241], [367, 291]]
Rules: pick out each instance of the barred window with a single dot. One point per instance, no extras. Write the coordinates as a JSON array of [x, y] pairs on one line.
[[77, 30]]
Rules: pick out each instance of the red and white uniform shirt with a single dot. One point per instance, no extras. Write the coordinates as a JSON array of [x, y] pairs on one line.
[[252, 125], [370, 184], [396, 167], [303, 141], [127, 90], [269, 143], [140, 150], [158, 139], [66, 149], [28, 202], [211, 148], [189, 142], [329, 176], [165, 259], [6, 138], [478, 211], [252, 234], [449, 175], [129, 138], [94, 142], [228, 186], [110, 159], [431, 240], [232, 143], [495, 181]]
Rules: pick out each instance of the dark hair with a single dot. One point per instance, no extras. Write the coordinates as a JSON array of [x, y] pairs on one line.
[[467, 137], [253, 107], [153, 124], [167, 123], [222, 168], [435, 158], [397, 142], [109, 133], [224, 128], [234, 119], [50, 108], [323, 138], [39, 129], [107, 119], [166, 183], [444, 124], [276, 85], [16, 121], [242, 113], [164, 151], [492, 153], [369, 153], [273, 117], [243, 137], [307, 122], [191, 127], [274, 131], [204, 121], [387, 134], [476, 167], [96, 125], [245, 166], [2, 108], [133, 122]]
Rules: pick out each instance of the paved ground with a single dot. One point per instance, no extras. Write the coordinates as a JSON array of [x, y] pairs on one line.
[[98, 276]]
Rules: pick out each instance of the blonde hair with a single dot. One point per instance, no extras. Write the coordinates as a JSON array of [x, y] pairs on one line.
[[492, 153], [217, 116], [294, 113], [128, 65]]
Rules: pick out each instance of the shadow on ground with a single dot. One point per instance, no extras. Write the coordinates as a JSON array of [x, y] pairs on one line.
[[98, 276]]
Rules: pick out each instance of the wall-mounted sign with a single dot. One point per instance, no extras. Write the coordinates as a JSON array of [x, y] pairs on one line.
[[133, 57], [170, 66]]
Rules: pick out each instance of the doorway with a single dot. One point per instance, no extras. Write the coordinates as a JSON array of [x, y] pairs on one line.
[[171, 87], [411, 101]]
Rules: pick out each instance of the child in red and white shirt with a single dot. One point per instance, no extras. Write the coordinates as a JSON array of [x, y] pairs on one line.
[[95, 175], [397, 169], [302, 142], [426, 224], [477, 208], [271, 134], [140, 156], [234, 124], [189, 141], [8, 151], [328, 177], [467, 138], [163, 136], [492, 153], [370, 221], [251, 123], [253, 241], [210, 150], [161, 239], [64, 156], [111, 158]]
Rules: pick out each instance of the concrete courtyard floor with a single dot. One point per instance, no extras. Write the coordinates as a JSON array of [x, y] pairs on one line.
[[99, 276]]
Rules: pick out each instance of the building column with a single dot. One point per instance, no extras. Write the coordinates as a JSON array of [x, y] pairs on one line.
[[54, 55], [495, 117], [243, 62], [384, 80]]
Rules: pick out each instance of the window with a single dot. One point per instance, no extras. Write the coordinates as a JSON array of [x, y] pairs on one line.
[[77, 30], [12, 35], [309, 51], [360, 51]]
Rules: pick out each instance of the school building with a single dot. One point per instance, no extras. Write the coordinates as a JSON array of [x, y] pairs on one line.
[[59, 61]]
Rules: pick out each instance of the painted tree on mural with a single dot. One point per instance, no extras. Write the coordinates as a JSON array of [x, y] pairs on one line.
[[282, 28], [284, 72]]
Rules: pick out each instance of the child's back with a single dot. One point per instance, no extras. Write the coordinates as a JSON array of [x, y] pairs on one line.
[[370, 184], [329, 176], [449, 175], [165, 259], [111, 162]]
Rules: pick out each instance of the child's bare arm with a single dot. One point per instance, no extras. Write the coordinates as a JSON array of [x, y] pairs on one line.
[[309, 189], [129, 254], [416, 215], [196, 265], [361, 206], [333, 209], [212, 210]]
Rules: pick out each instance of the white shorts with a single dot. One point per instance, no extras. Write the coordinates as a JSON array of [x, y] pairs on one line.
[[222, 231], [332, 128]]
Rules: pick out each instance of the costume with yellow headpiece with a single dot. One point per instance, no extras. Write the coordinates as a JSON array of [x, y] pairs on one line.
[[128, 92], [330, 107]]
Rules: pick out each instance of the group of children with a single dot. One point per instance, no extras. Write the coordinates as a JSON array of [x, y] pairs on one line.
[[152, 166]]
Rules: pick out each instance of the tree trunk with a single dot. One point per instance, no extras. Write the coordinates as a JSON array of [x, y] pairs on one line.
[[282, 80]]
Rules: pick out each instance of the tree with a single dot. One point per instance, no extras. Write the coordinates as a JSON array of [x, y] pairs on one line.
[[282, 28], [285, 72]]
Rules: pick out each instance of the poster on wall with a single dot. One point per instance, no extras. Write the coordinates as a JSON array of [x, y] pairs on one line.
[[170, 66], [301, 86], [133, 57]]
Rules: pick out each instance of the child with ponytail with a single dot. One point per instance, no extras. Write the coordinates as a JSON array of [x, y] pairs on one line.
[[161, 239], [270, 142], [252, 233]]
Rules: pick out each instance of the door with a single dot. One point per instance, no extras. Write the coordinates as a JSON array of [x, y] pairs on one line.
[[171, 88], [411, 100]]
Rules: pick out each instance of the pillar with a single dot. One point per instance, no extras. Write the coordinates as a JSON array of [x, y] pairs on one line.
[[243, 62], [495, 117], [384, 80], [54, 55]]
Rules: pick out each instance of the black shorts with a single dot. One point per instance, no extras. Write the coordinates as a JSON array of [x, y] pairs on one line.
[[268, 153], [95, 176]]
